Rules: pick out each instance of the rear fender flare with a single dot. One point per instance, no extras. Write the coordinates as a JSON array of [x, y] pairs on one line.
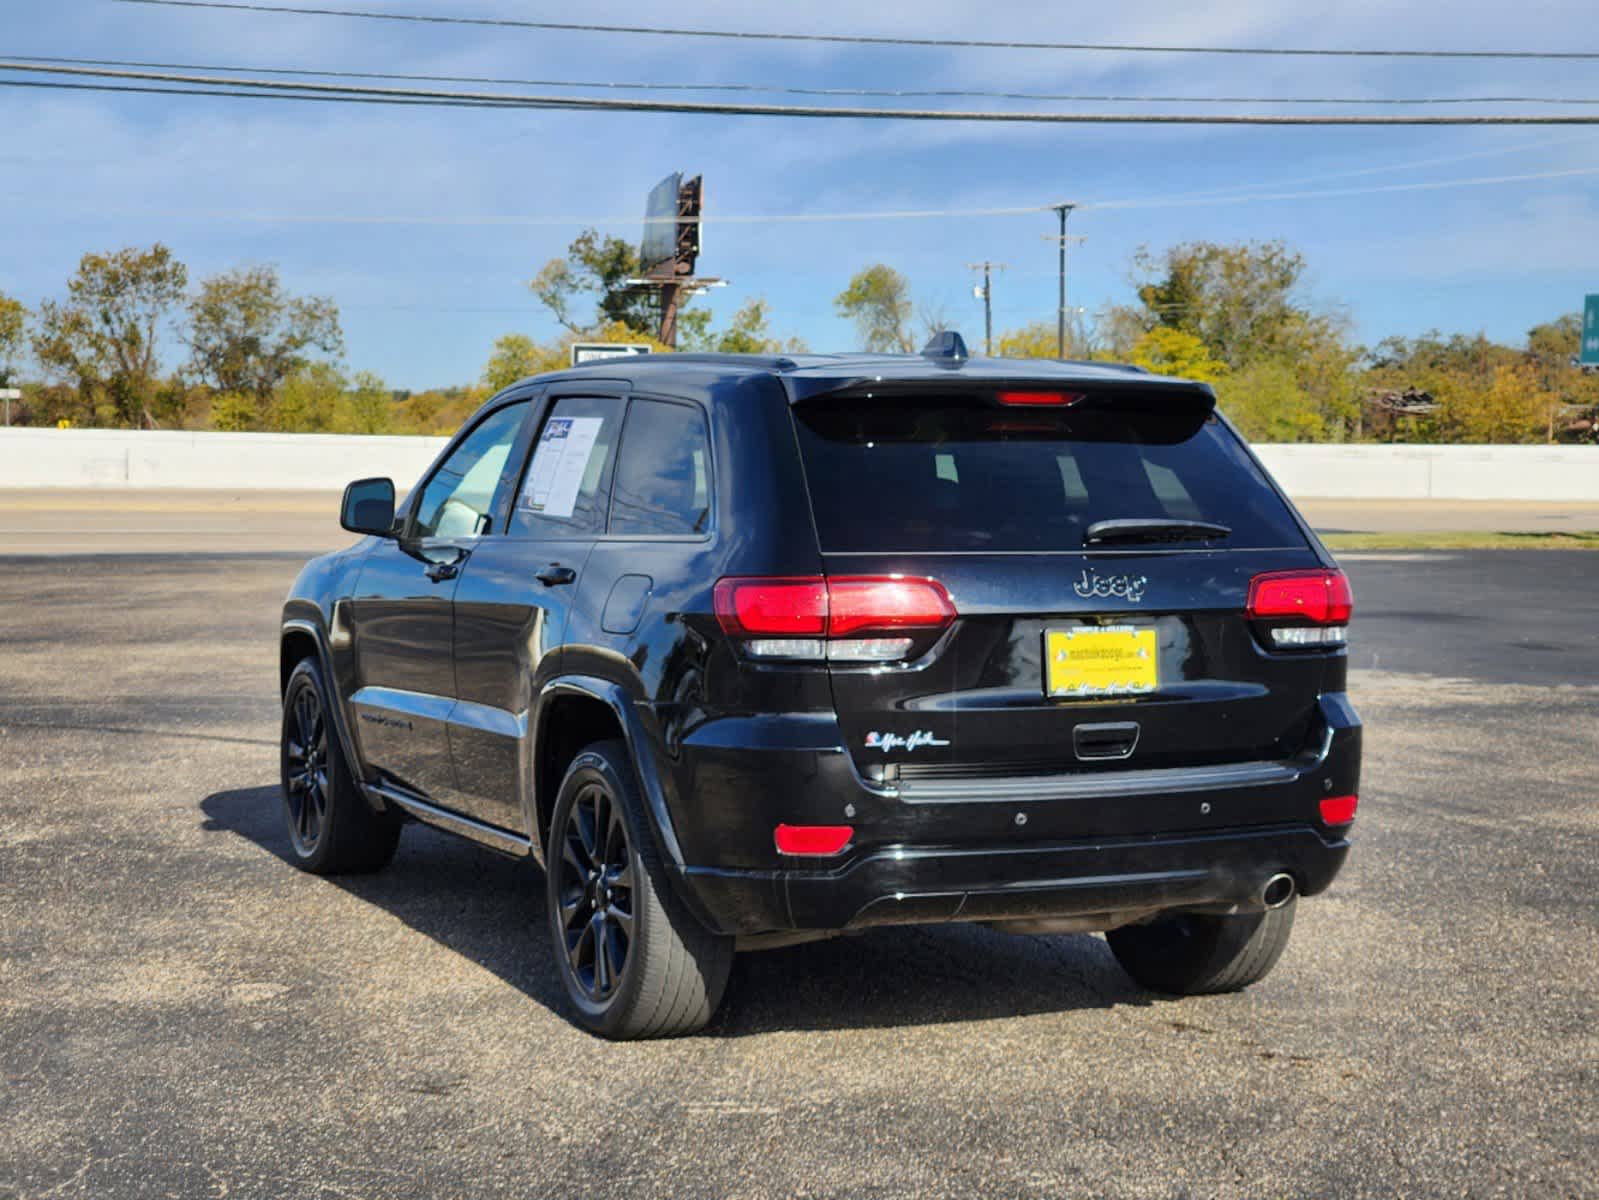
[[640, 746]]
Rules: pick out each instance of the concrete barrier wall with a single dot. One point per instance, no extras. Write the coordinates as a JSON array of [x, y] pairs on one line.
[[111, 458], [115, 458], [1435, 472]]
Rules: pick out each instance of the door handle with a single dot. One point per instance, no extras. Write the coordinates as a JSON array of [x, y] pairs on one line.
[[440, 571], [555, 575]]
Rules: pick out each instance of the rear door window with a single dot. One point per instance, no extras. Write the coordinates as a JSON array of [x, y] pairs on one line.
[[937, 475], [566, 487]]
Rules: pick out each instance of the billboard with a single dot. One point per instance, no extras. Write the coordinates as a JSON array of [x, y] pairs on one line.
[[660, 225], [671, 228], [1588, 352]]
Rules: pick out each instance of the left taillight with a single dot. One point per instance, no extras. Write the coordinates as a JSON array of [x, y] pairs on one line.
[[840, 618], [1302, 609]]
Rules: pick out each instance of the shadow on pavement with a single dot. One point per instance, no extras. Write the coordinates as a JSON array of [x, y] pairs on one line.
[[490, 909]]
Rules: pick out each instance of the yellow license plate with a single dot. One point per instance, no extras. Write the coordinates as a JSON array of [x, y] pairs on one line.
[[1100, 660]]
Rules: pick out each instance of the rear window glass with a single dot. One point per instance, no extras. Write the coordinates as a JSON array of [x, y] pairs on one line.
[[908, 475]]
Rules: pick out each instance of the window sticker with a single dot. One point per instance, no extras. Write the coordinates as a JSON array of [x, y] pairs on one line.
[[556, 476]]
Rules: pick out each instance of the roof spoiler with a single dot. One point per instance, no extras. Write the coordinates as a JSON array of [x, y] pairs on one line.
[[1149, 391]]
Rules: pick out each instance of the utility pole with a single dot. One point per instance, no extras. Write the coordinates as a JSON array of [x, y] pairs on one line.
[[1060, 315], [985, 292]]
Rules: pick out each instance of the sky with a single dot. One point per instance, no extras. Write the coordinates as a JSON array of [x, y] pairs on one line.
[[425, 225]]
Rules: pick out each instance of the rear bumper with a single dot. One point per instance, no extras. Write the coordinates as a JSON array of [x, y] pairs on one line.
[[1099, 881], [1092, 846]]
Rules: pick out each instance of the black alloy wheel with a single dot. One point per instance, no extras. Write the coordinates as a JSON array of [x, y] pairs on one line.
[[305, 770], [333, 829], [634, 963], [596, 890]]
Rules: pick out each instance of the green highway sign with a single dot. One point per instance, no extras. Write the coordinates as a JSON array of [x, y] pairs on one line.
[[1589, 355]]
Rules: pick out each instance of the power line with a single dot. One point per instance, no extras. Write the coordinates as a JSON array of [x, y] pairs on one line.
[[866, 39], [773, 89], [316, 91]]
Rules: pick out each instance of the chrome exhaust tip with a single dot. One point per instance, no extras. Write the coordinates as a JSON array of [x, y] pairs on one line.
[[1278, 890]]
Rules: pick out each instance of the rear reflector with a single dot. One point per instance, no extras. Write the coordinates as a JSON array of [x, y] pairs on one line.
[[851, 618], [1314, 597], [1041, 399], [812, 839], [1339, 810]]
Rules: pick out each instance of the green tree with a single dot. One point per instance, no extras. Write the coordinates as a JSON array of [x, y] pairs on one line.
[[13, 324], [247, 334], [748, 332], [1268, 403], [103, 336], [1240, 300], [1168, 351], [234, 412], [1572, 393], [1040, 339], [515, 356], [306, 401], [878, 300], [595, 271], [367, 406]]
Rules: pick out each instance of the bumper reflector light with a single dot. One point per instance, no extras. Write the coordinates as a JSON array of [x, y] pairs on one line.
[[1339, 810], [816, 840]]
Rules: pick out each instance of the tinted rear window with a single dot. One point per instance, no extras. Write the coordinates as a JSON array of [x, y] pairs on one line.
[[908, 475]]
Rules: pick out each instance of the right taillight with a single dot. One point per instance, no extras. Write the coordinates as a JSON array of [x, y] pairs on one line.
[[842, 618], [1302, 609]]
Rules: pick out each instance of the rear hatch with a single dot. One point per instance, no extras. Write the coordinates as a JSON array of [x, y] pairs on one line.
[[1097, 547]]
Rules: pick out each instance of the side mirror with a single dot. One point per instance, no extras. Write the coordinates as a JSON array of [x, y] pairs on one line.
[[369, 507]]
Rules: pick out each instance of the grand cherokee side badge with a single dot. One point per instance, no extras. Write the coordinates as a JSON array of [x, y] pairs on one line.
[[896, 741], [1094, 584]]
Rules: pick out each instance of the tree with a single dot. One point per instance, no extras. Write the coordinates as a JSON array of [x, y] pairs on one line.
[[596, 269], [13, 323], [515, 356], [366, 407], [1240, 299], [747, 332], [103, 336], [878, 300], [1552, 348], [247, 335], [1039, 339], [1268, 403], [307, 400], [1168, 351]]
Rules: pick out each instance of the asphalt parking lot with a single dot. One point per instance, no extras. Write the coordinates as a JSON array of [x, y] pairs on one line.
[[184, 1014]]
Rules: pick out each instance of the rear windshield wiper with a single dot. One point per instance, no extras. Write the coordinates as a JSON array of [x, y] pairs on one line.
[[1151, 529]]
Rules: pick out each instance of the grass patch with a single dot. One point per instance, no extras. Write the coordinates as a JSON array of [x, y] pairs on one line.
[[1463, 540]]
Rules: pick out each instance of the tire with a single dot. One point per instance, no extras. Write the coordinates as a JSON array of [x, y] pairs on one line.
[[332, 828], [1194, 955], [635, 963]]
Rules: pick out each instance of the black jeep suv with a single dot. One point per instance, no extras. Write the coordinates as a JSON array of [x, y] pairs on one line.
[[747, 650]]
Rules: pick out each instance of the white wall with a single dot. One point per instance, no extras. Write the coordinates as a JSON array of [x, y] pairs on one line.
[[112, 458], [1435, 472], [158, 459]]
